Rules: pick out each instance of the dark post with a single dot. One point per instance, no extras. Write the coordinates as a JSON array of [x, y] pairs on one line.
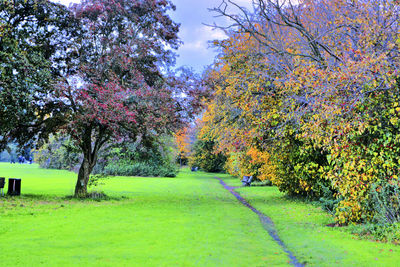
[[14, 187], [2, 183]]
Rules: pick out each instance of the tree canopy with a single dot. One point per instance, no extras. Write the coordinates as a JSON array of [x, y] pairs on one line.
[[105, 74], [306, 95], [34, 41]]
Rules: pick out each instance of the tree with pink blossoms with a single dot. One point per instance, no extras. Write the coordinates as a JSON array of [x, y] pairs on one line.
[[98, 71], [119, 91]]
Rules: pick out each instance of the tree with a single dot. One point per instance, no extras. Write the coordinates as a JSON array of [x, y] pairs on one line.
[[312, 83], [123, 94], [34, 37], [109, 85], [322, 55]]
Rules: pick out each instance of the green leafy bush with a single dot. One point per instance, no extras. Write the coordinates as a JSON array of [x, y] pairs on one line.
[[384, 233], [145, 169], [205, 157], [365, 154], [300, 168], [384, 202], [146, 157], [328, 201]]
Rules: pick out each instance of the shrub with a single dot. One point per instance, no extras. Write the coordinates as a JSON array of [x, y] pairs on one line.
[[142, 158], [205, 157], [144, 169], [384, 202], [366, 153], [385, 233], [328, 201], [300, 168], [145, 157]]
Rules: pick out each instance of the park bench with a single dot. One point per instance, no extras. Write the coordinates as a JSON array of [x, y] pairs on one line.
[[247, 180], [2, 183]]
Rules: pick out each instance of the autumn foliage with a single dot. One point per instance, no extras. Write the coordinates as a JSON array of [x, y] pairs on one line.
[[306, 95], [182, 142]]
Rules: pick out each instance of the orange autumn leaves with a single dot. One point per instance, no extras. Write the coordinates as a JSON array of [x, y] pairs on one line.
[[182, 142]]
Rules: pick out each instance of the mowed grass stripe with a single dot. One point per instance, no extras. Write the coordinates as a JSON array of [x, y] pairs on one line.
[[186, 221]]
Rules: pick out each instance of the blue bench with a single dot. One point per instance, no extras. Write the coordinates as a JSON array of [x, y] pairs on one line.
[[247, 180]]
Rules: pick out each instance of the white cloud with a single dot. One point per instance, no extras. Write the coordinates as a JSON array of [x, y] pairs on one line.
[[66, 2], [196, 46], [197, 40], [212, 34]]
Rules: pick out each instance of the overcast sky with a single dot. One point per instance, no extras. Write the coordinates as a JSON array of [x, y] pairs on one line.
[[191, 14]]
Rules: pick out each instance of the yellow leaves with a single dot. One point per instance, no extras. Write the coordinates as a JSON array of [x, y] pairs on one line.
[[304, 185], [349, 211], [394, 121], [258, 92], [252, 162]]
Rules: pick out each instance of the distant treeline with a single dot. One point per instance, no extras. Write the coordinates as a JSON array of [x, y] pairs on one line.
[[12, 153]]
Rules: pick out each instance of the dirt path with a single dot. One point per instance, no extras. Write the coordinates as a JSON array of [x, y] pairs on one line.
[[265, 221]]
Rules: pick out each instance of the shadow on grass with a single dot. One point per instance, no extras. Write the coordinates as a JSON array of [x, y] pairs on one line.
[[91, 197], [28, 197], [95, 196]]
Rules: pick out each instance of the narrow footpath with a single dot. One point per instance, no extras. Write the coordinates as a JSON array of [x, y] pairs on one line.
[[265, 221]]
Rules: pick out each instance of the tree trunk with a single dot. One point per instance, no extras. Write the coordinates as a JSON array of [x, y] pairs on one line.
[[90, 152], [83, 177]]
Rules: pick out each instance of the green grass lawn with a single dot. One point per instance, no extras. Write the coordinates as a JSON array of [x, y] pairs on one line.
[[190, 220], [302, 227]]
